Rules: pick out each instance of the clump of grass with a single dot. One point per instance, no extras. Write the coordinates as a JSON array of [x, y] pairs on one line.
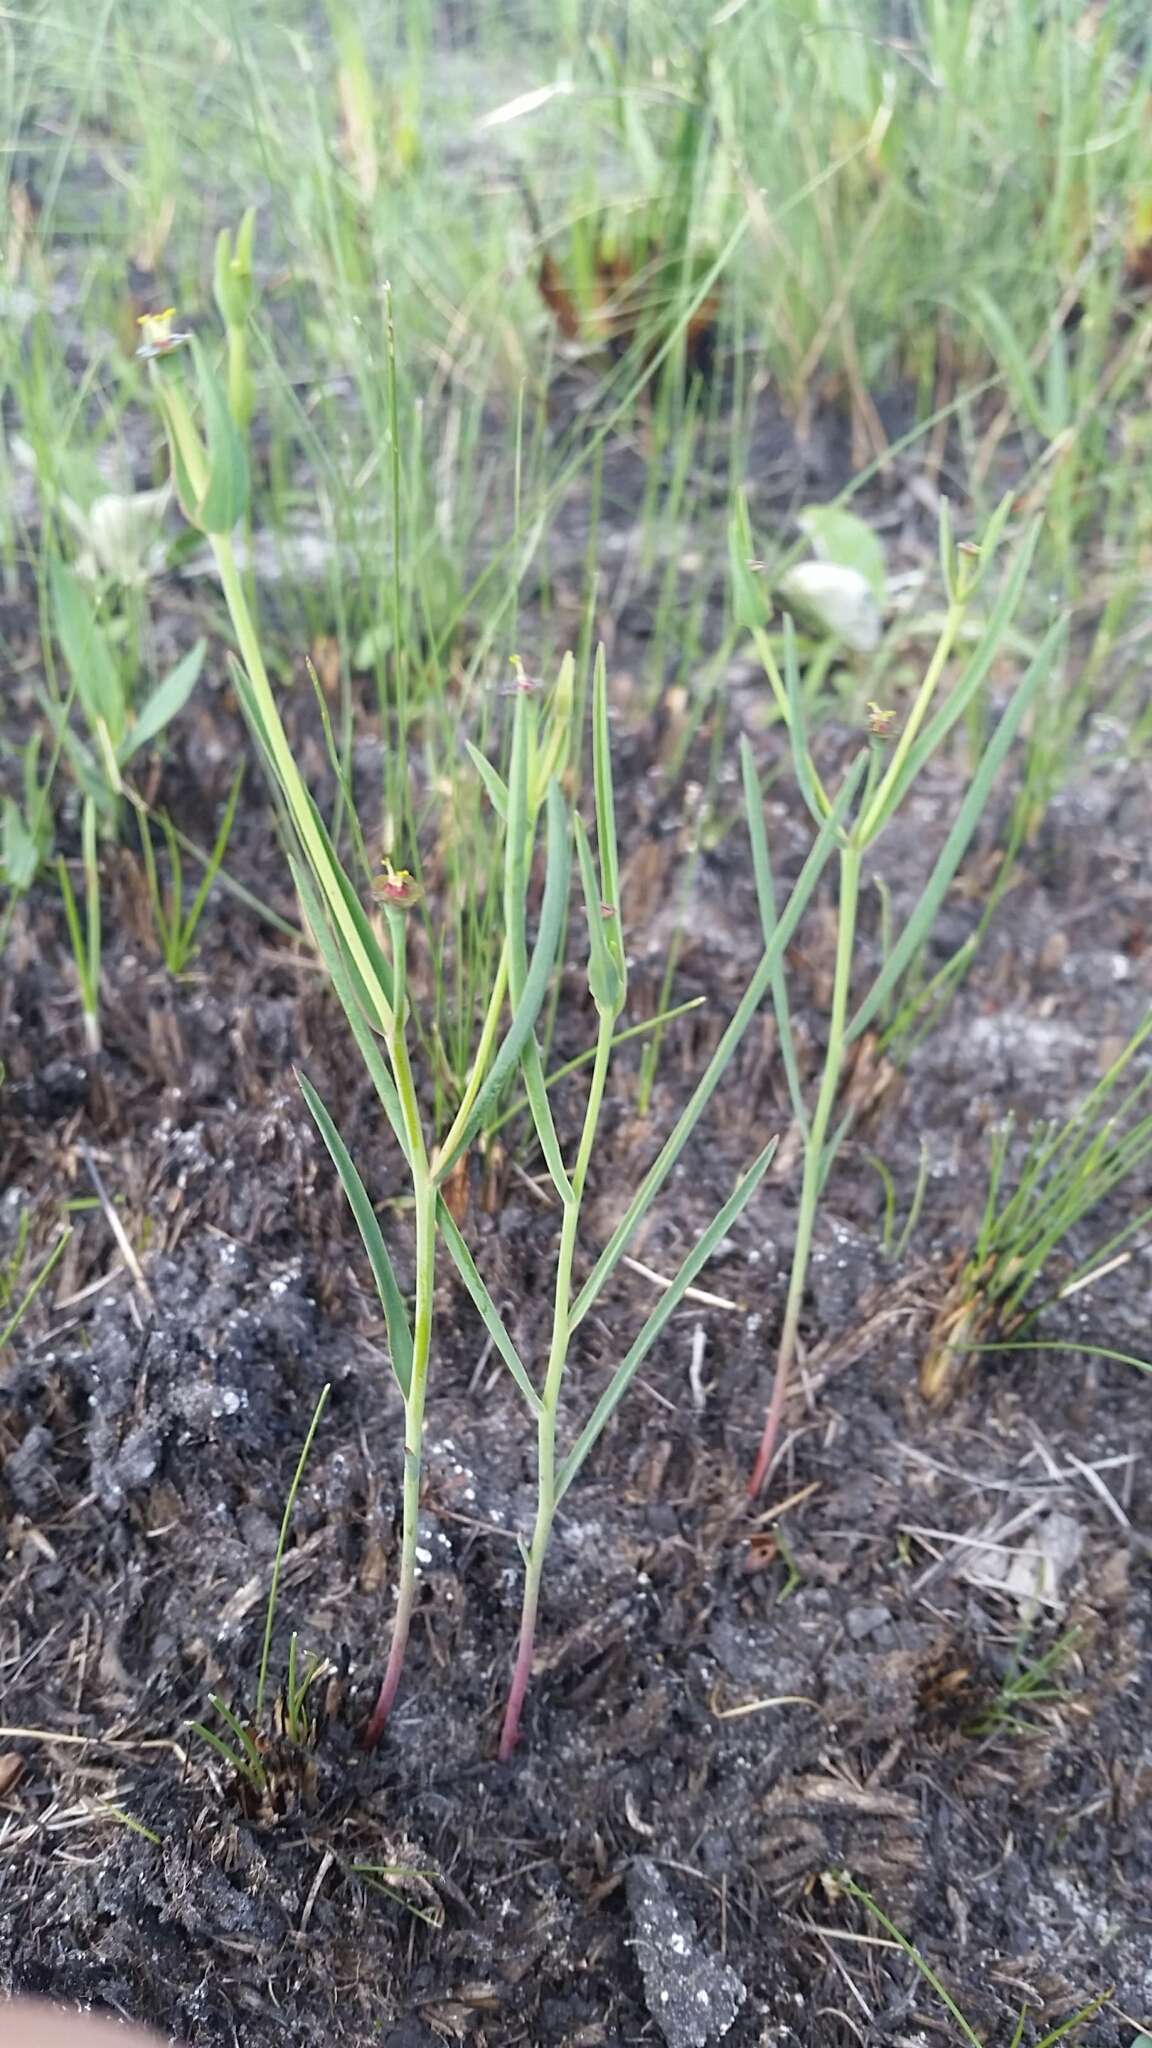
[[1027, 1683], [1067, 1170], [175, 919]]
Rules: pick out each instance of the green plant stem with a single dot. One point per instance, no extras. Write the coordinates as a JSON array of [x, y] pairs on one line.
[[883, 802], [424, 1189], [550, 1400], [814, 1159]]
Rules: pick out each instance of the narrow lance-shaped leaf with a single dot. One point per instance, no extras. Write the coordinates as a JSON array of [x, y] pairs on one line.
[[667, 1305], [976, 669], [525, 1012], [517, 860], [344, 980], [606, 841], [493, 783], [98, 682], [225, 501], [391, 1299], [166, 700], [806, 777], [366, 963], [706, 1087], [604, 983], [485, 1306], [971, 810]]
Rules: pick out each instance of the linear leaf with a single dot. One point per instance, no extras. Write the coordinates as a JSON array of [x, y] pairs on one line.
[[525, 1012], [669, 1302], [485, 1306], [387, 1287], [226, 499], [973, 677], [97, 679], [606, 842], [493, 783], [706, 1087], [951, 854], [167, 699], [604, 981], [517, 861]]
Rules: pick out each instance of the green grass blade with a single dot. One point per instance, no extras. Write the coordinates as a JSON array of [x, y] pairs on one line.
[[806, 777], [383, 1272], [234, 1758], [226, 499], [29, 1296], [1089, 1350], [923, 917], [517, 863], [706, 1087], [604, 980], [925, 1969], [975, 673], [366, 961], [485, 1306], [166, 700], [606, 840], [553, 910], [213, 864], [349, 989], [494, 784], [98, 682], [281, 1543], [667, 1305]]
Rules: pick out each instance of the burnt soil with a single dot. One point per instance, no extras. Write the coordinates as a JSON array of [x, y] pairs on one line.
[[733, 1705]]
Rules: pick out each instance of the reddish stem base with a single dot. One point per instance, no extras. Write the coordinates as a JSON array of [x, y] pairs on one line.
[[390, 1686], [522, 1672], [767, 1451]]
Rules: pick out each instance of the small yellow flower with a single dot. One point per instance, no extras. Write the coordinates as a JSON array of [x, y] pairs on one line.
[[156, 335], [880, 722]]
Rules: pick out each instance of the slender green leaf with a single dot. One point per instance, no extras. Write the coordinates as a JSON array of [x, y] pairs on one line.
[[925, 1969], [553, 910], [667, 1305], [485, 1306], [345, 981], [604, 982], [387, 1287], [706, 1087], [167, 699], [979, 664], [1011, 354], [493, 783], [90, 663], [923, 917], [517, 861], [235, 1759], [226, 499], [606, 842], [806, 776], [282, 1542]]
